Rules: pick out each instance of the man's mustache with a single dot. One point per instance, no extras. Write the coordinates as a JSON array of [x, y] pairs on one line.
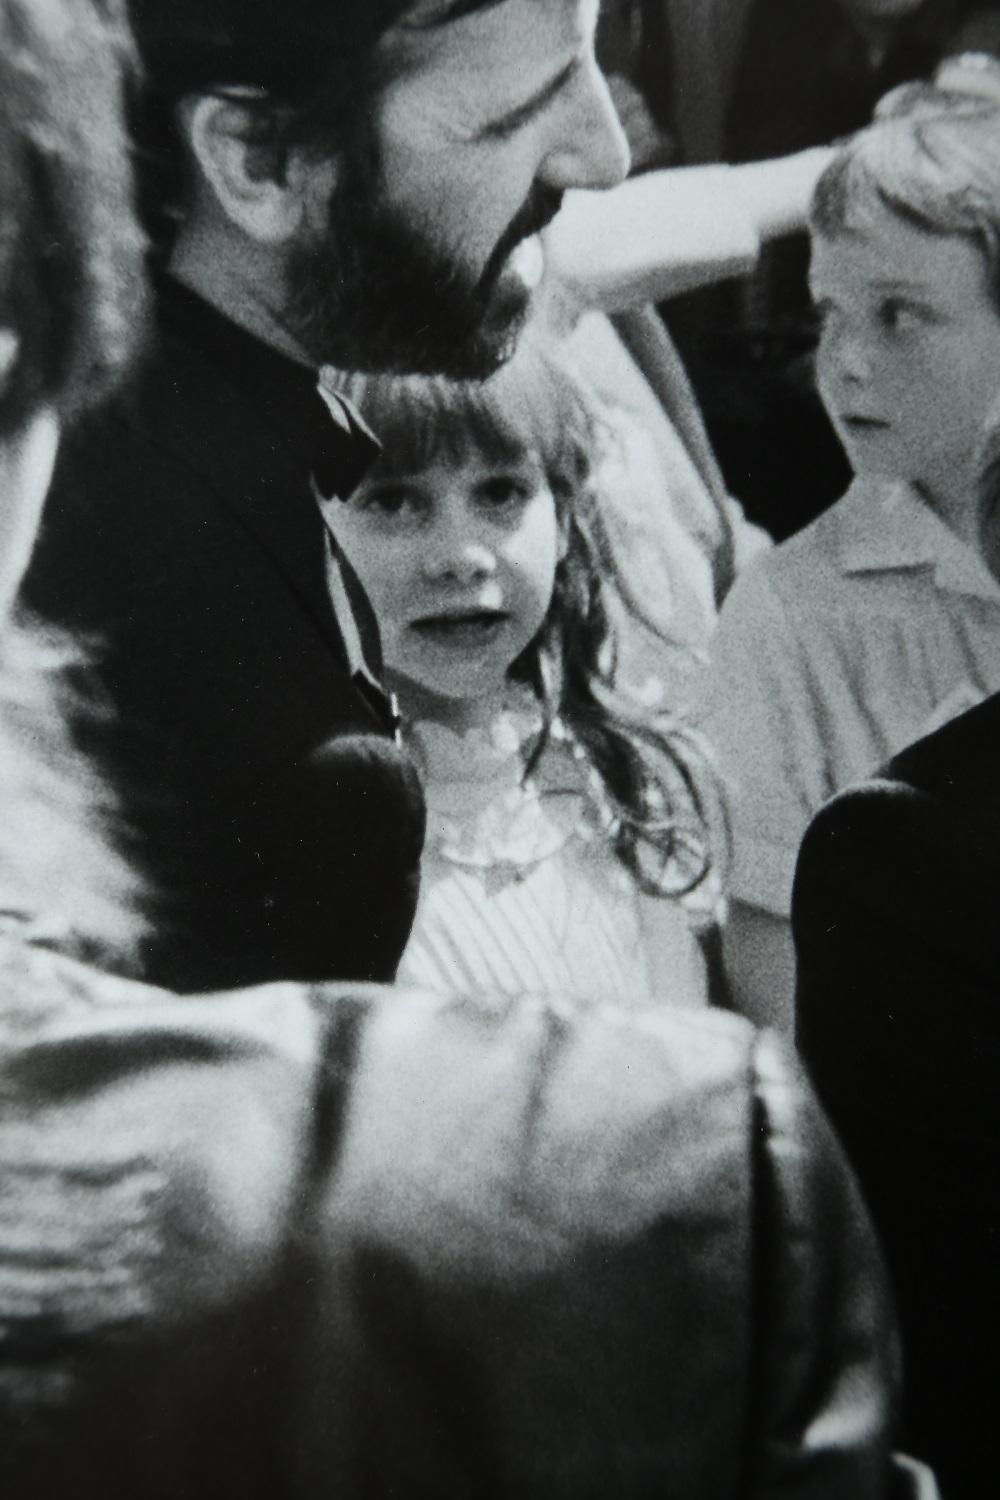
[[539, 210]]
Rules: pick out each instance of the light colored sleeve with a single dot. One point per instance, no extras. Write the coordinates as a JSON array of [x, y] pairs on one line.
[[667, 232], [762, 721], [654, 236]]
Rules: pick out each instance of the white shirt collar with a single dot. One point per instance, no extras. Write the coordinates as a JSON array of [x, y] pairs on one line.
[[884, 526]]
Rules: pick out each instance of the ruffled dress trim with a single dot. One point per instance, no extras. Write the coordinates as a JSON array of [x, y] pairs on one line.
[[483, 813]]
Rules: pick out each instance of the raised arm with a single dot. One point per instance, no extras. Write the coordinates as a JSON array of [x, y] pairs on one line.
[[670, 231]]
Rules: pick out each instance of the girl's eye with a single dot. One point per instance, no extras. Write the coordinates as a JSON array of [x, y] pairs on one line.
[[387, 502], [504, 489]]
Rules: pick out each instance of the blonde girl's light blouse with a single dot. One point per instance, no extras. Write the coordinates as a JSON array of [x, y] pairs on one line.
[[869, 629]]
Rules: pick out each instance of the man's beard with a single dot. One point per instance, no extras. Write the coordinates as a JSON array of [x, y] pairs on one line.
[[372, 293]]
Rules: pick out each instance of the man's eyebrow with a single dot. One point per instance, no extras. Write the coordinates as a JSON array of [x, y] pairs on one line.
[[900, 284], [441, 14], [542, 96]]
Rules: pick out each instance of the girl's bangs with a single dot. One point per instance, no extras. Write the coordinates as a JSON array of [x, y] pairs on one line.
[[421, 420]]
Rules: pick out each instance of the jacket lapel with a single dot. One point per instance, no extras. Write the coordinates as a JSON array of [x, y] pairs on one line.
[[250, 466]]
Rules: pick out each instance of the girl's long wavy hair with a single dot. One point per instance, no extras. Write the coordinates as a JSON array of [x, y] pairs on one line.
[[651, 769]]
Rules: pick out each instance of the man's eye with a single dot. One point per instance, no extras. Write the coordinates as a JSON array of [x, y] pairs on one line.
[[507, 125]]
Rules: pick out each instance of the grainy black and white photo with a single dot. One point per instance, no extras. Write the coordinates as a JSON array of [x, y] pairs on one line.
[[499, 727]]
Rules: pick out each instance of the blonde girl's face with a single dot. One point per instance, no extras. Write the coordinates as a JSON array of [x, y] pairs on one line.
[[459, 563], [908, 362]]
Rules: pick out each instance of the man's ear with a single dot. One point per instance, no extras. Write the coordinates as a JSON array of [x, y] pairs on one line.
[[267, 208]]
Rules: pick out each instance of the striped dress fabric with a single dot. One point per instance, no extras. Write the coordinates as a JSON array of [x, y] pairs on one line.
[[521, 891]]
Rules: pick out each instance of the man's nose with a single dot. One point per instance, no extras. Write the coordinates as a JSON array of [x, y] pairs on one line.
[[589, 149]]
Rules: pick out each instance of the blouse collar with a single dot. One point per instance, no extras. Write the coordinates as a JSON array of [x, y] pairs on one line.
[[886, 526]]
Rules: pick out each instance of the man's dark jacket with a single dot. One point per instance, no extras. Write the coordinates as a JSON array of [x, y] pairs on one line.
[[898, 937], [276, 822]]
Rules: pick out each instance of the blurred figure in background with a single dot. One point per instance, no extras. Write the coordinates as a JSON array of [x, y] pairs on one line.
[[631, 48], [809, 74]]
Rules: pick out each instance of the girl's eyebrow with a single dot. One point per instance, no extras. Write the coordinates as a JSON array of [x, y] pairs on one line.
[[531, 106], [385, 484], [818, 290]]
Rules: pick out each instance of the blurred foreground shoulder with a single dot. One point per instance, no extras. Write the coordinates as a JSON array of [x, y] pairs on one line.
[[435, 1246], [631, 1245]]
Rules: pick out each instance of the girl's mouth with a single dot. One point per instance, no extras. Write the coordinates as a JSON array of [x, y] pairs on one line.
[[858, 423], [472, 627]]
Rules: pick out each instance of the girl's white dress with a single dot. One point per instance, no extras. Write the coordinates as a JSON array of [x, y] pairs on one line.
[[521, 891]]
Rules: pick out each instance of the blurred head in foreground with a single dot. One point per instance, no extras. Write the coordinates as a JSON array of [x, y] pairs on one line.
[[71, 304], [70, 253]]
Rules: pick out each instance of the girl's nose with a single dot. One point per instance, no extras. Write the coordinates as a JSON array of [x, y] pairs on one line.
[[456, 554], [850, 357]]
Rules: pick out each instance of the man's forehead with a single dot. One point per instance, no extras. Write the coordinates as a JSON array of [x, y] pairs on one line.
[[450, 32], [430, 13]]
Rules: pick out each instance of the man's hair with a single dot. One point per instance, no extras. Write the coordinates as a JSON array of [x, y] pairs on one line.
[[932, 158], [304, 70], [71, 266]]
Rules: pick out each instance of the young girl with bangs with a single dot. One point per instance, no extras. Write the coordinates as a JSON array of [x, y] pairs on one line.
[[568, 849]]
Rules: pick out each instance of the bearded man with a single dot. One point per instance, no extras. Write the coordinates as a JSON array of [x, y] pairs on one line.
[[357, 184]]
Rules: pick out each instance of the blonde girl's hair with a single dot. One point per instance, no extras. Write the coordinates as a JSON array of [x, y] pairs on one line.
[[651, 770], [932, 158]]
